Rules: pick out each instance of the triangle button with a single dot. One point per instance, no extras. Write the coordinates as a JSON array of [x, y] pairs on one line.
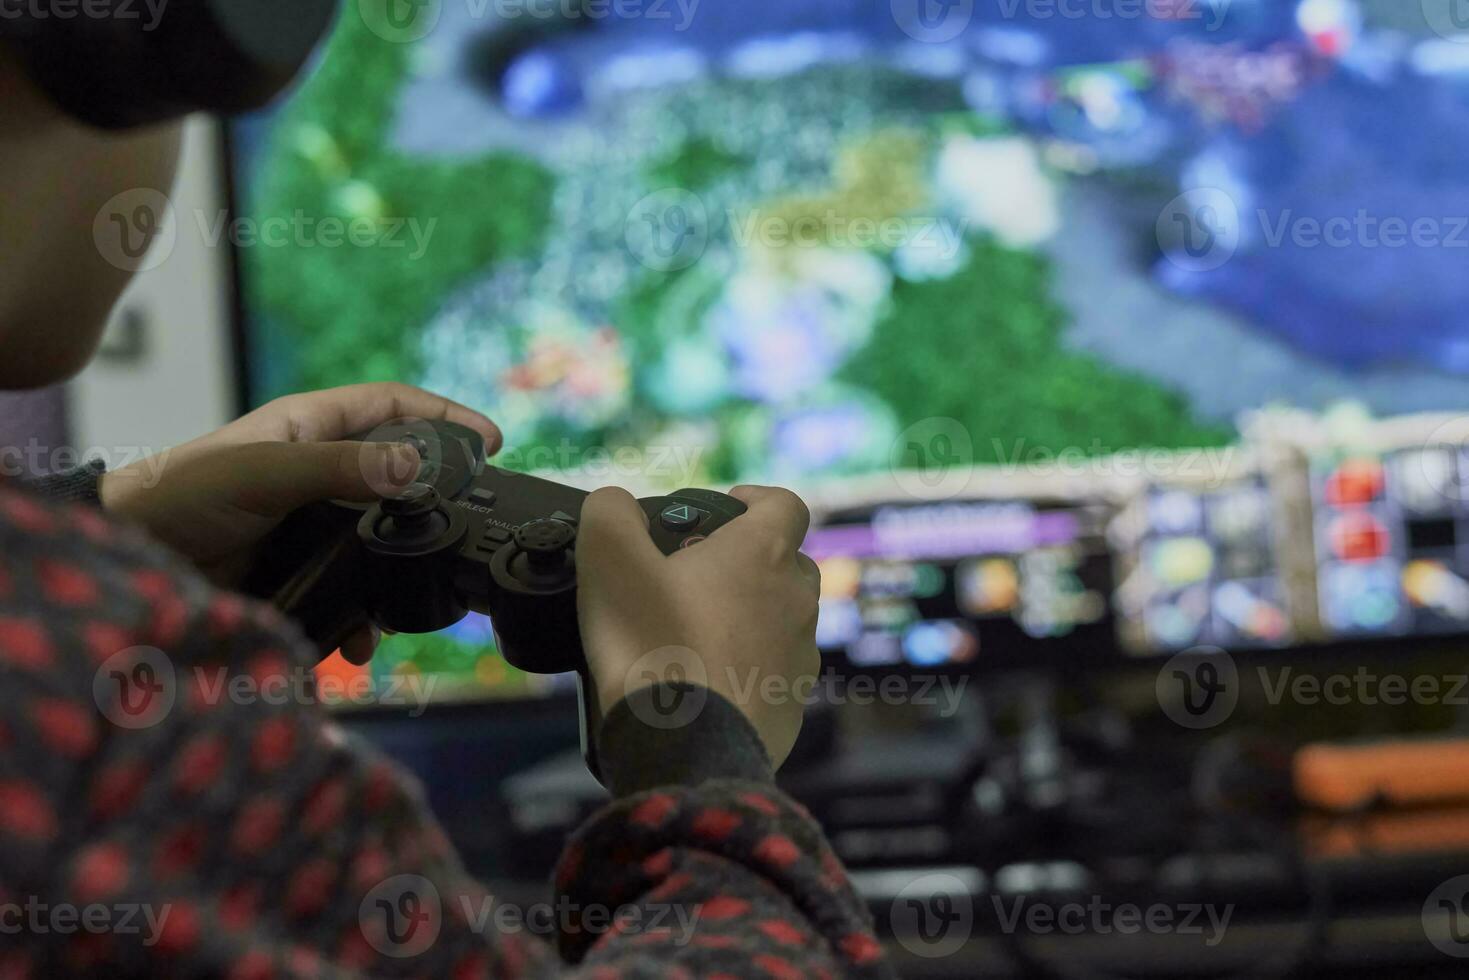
[[681, 517]]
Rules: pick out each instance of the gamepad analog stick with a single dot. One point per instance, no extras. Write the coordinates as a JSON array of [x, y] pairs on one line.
[[546, 558], [413, 517]]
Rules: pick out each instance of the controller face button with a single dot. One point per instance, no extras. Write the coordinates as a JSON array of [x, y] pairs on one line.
[[681, 517], [692, 540]]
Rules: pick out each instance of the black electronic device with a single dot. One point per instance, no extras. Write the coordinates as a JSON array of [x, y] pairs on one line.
[[120, 64], [466, 536]]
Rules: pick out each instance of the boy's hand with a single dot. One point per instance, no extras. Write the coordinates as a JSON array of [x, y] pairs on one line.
[[735, 613], [215, 498]]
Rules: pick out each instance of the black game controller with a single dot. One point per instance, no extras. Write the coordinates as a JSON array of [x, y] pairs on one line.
[[466, 536]]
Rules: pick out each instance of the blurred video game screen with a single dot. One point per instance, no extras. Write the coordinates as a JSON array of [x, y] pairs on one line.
[[1081, 328]]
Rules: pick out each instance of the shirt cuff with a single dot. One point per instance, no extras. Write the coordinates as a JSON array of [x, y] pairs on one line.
[[678, 735], [75, 486]]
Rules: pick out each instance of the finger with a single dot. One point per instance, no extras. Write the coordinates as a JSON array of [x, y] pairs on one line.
[[339, 413], [358, 648], [613, 534], [776, 509], [746, 492], [273, 479], [810, 571]]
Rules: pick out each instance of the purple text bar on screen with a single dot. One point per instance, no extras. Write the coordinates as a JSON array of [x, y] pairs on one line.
[[960, 539]]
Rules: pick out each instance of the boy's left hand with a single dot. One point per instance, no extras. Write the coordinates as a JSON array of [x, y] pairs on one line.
[[215, 498]]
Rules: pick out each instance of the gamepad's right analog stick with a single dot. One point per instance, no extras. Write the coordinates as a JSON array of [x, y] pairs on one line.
[[546, 553]]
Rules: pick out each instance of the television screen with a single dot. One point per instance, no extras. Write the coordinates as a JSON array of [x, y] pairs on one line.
[[1096, 327]]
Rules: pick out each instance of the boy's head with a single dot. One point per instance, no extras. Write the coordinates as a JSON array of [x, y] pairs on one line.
[[124, 75], [56, 288]]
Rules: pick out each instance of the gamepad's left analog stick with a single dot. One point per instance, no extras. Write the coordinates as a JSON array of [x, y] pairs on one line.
[[411, 543], [413, 517]]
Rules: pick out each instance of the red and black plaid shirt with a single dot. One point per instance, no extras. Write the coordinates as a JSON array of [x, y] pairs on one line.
[[214, 836]]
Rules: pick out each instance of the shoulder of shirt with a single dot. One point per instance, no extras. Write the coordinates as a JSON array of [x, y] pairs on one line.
[[75, 574]]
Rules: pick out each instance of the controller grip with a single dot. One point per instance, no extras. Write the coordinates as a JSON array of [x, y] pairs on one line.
[[310, 568]]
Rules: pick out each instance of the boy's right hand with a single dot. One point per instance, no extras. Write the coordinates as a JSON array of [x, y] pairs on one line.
[[735, 613]]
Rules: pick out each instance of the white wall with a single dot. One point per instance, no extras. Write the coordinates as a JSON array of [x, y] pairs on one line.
[[183, 385]]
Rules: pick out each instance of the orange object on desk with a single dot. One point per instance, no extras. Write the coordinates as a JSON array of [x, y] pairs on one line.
[[1399, 833], [1405, 773]]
